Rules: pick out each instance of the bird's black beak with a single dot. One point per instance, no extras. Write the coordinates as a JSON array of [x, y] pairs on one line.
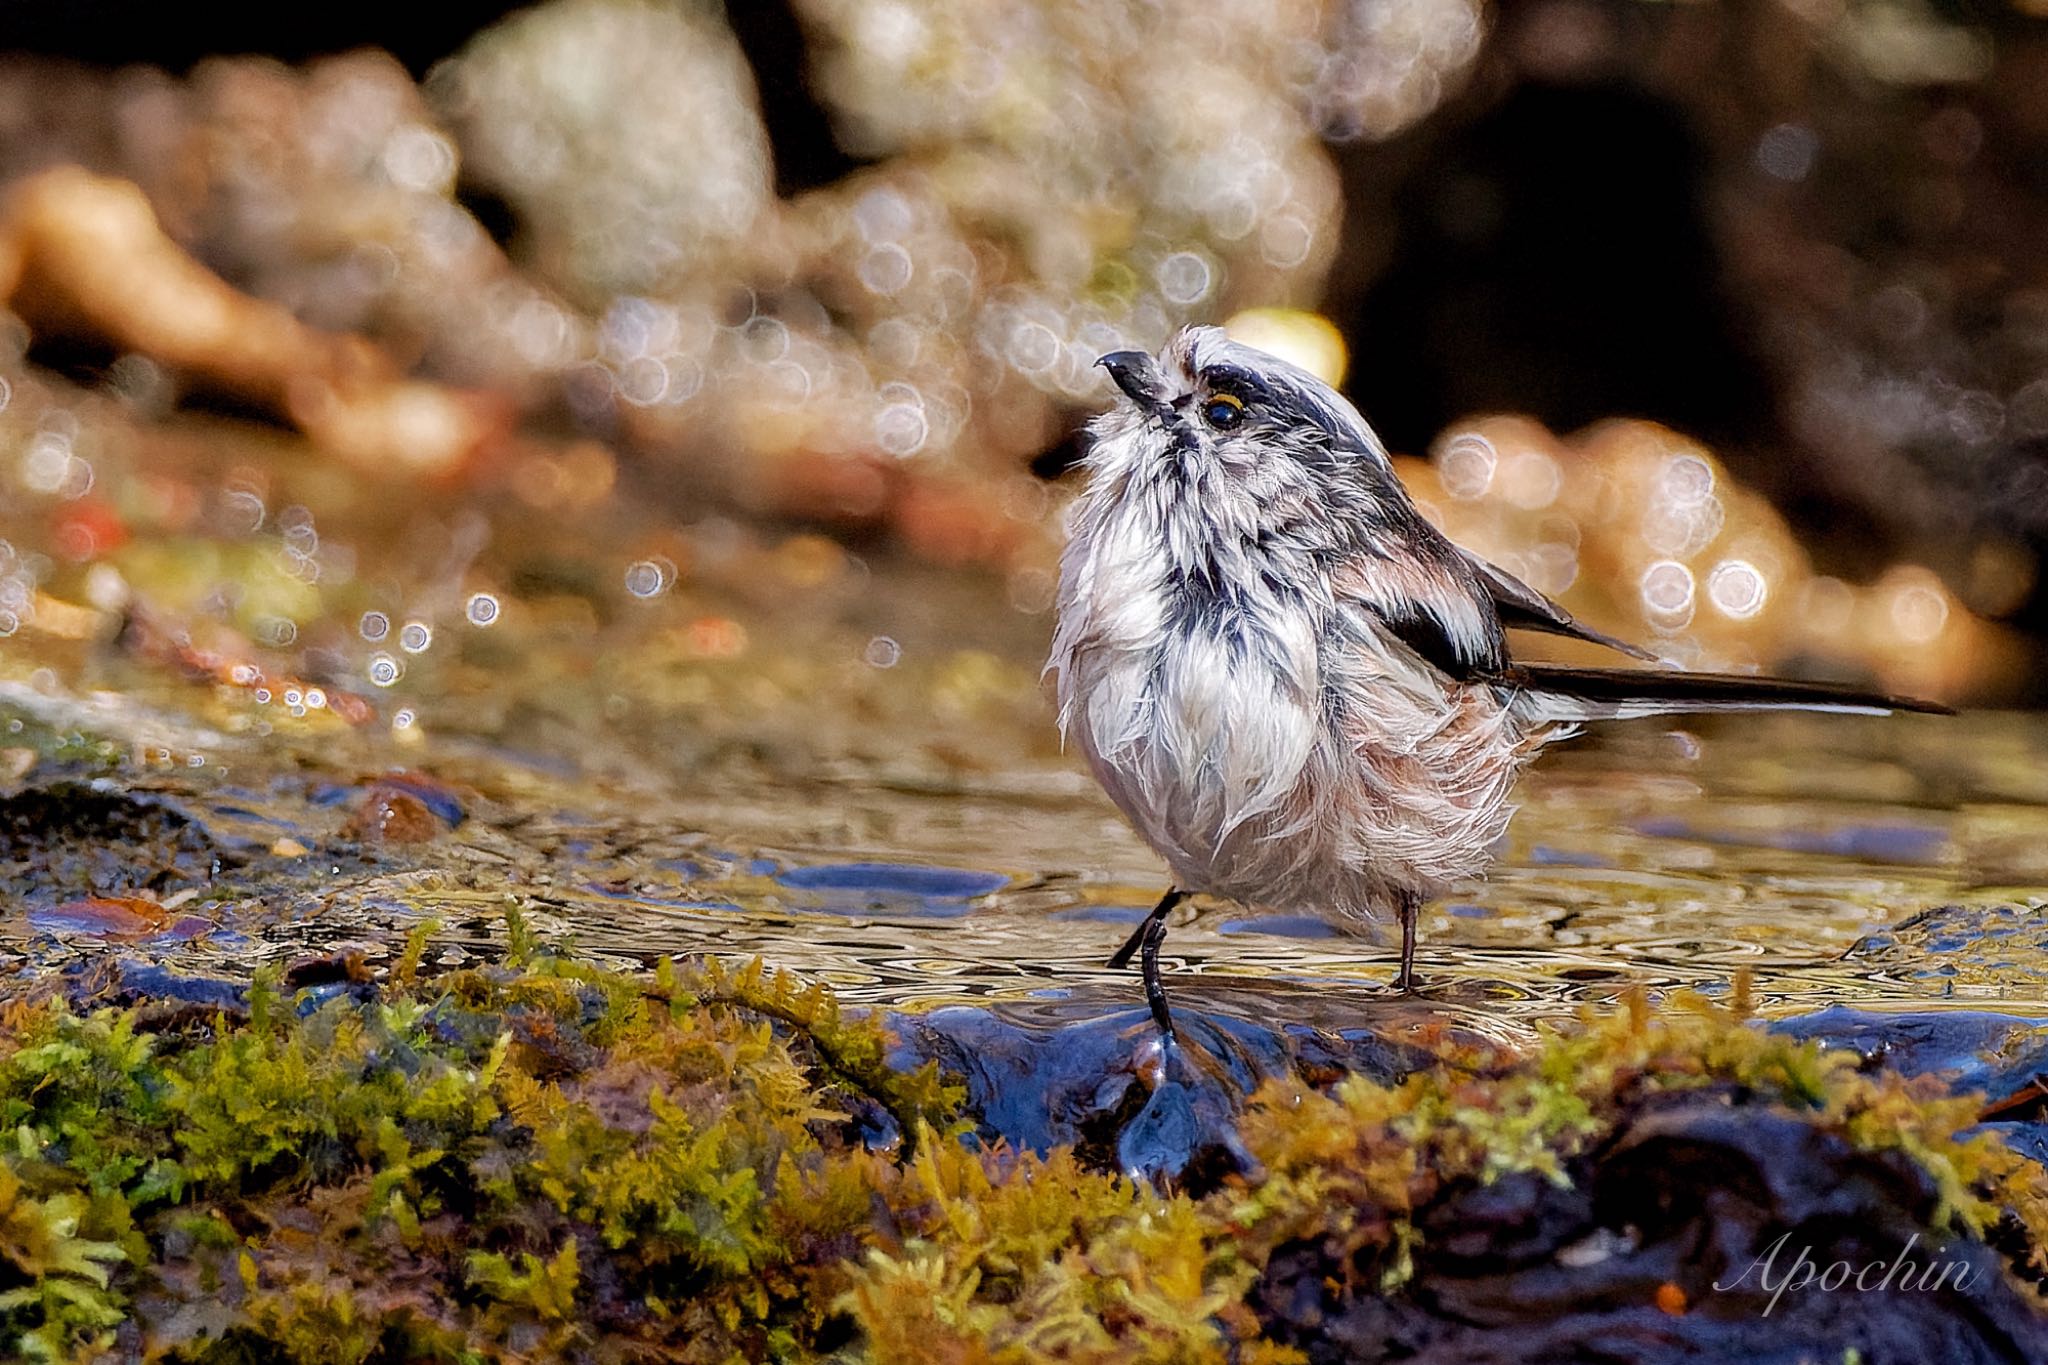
[[1139, 378]]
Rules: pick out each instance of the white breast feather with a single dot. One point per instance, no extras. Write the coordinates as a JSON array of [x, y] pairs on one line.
[[1327, 768]]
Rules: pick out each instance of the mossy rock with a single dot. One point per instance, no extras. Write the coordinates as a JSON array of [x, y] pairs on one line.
[[542, 1161]]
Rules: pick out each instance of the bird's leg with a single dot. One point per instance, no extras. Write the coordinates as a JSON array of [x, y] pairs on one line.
[[1145, 941], [1122, 957], [1155, 989], [1411, 910]]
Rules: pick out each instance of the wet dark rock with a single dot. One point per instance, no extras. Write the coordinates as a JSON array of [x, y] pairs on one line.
[[388, 815], [1703, 1231], [72, 839], [1976, 931], [111, 981], [1996, 1053], [2004, 1056], [1519, 1220], [339, 968], [891, 888], [870, 1123], [1104, 1083], [1028, 1093], [444, 801], [2030, 1140], [1186, 1135], [401, 807]]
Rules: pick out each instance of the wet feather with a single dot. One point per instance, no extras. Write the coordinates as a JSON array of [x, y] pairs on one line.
[[1298, 691]]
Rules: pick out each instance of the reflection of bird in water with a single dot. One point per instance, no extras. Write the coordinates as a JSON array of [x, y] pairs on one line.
[[1293, 685]]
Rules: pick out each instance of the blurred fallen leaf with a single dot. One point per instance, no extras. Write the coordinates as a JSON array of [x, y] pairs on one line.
[[85, 253], [67, 620], [389, 814], [122, 918]]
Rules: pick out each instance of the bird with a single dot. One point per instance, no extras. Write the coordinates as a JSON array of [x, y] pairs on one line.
[[1297, 690]]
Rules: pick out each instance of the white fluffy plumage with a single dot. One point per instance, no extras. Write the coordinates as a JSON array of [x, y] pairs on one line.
[[1223, 664], [1295, 688]]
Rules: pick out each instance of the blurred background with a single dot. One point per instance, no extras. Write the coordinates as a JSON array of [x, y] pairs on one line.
[[334, 335]]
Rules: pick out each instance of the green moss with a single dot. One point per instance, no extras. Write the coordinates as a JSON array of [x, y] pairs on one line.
[[546, 1160], [74, 752], [1020, 1259], [432, 1170], [50, 1242]]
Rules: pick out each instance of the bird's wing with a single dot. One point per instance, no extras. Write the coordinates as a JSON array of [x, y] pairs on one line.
[[1421, 590], [1521, 607]]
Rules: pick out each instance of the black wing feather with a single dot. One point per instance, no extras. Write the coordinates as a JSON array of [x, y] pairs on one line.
[[1423, 631], [1521, 607]]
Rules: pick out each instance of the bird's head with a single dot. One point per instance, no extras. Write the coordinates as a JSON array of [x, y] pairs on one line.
[[1207, 407]]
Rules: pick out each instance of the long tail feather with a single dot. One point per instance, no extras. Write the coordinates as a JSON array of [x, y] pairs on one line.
[[1543, 692]]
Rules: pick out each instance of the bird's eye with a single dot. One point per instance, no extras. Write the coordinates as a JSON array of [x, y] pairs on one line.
[[1223, 411]]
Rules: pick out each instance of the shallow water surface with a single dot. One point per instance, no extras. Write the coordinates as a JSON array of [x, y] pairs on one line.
[[913, 835]]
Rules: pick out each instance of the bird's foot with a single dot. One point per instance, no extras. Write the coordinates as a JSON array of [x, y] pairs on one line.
[[1144, 942], [1404, 979]]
